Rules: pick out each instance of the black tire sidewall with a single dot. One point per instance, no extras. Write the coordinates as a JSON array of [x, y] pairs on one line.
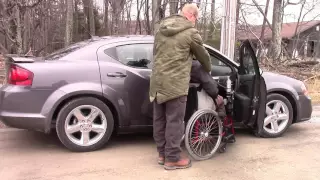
[[282, 98], [68, 108]]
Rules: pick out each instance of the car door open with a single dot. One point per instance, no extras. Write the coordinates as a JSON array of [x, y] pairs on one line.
[[250, 96]]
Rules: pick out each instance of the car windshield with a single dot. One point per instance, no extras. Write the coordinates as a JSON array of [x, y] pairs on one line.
[[69, 49]]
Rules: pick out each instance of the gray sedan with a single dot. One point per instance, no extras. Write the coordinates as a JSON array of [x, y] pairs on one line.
[[92, 89]]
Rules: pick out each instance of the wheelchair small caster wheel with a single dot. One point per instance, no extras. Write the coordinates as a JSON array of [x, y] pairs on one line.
[[232, 141], [222, 149]]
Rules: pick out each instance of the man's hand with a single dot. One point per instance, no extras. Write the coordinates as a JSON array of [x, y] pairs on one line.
[[219, 100]]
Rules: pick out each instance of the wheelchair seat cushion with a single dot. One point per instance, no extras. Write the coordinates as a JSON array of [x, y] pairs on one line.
[[205, 101]]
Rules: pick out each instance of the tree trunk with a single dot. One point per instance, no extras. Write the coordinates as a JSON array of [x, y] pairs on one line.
[[263, 28], [138, 25], [69, 23], [18, 30], [117, 8], [295, 42], [212, 17], [26, 32], [3, 49], [91, 18], [204, 24], [76, 21], [129, 17], [275, 49], [147, 7], [173, 6], [155, 13], [88, 10], [106, 17]]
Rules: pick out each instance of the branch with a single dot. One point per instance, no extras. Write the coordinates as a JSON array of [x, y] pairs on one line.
[[261, 43], [312, 77], [261, 11], [254, 5], [291, 3], [34, 4]]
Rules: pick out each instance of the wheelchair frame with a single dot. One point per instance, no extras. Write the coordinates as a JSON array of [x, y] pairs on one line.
[[226, 129]]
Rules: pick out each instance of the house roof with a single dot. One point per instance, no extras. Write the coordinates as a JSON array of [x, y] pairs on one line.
[[288, 30]]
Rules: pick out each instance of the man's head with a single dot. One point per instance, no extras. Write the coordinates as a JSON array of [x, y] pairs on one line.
[[190, 11]]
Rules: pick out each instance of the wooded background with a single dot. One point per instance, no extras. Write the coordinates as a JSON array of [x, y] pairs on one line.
[[39, 27]]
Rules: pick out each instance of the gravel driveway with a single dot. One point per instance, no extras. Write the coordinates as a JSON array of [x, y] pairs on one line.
[[26, 155]]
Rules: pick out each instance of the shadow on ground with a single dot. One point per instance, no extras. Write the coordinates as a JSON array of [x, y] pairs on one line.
[[38, 140]]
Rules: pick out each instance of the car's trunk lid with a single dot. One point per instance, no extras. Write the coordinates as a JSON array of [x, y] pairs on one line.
[[14, 59]]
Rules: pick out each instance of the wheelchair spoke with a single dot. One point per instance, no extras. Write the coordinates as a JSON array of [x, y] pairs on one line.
[[203, 134], [213, 125], [196, 144]]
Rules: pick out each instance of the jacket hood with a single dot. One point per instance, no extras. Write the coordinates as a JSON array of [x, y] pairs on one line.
[[174, 24]]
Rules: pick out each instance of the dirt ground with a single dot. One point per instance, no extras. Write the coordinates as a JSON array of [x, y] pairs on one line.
[[26, 155]]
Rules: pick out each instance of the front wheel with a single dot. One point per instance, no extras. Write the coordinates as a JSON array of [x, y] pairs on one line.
[[203, 134], [84, 124], [278, 116]]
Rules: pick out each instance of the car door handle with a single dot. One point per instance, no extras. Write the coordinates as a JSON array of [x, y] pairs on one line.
[[117, 74]]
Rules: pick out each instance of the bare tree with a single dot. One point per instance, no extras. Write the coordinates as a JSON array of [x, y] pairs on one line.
[[88, 7], [106, 17], [76, 20], [147, 16], [263, 27], [174, 6], [128, 8], [205, 21], [156, 6], [275, 49], [212, 19], [139, 8], [69, 23], [117, 8]]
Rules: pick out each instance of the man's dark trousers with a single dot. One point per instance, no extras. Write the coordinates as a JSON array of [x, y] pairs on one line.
[[168, 127]]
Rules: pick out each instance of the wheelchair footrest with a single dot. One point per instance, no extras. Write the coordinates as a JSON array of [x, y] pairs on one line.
[[230, 138]]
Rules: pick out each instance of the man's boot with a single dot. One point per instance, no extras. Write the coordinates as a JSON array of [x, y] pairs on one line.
[[183, 163]]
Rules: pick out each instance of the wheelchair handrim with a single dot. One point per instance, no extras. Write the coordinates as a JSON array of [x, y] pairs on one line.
[[205, 135]]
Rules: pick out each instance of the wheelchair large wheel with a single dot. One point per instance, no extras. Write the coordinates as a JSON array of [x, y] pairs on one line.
[[203, 134]]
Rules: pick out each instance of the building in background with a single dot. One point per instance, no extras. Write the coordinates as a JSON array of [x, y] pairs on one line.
[[304, 43]]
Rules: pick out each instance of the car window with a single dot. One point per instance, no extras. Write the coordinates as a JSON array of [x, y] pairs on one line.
[[216, 62], [136, 55], [248, 62], [67, 50]]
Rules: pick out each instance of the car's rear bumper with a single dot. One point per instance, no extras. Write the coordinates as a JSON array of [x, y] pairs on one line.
[[305, 108], [33, 122], [20, 107]]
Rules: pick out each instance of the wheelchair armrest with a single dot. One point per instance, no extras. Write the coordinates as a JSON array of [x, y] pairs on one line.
[[196, 85]]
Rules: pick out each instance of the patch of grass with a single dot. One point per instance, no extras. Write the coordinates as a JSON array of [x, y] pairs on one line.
[[314, 90]]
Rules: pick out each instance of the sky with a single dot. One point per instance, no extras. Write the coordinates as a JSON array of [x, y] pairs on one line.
[[253, 16]]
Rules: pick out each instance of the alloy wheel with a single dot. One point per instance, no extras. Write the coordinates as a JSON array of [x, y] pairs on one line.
[[85, 125], [277, 117]]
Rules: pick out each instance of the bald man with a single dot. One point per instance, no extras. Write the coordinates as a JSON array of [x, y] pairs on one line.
[[176, 42]]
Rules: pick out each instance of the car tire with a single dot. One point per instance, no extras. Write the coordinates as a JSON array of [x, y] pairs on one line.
[[286, 105], [64, 114]]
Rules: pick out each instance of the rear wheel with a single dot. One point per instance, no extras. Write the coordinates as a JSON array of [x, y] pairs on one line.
[[203, 134], [84, 124]]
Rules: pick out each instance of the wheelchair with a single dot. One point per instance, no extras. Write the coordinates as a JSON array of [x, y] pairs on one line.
[[205, 132]]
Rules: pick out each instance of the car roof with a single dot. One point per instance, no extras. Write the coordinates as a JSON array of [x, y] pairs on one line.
[[102, 40], [113, 39]]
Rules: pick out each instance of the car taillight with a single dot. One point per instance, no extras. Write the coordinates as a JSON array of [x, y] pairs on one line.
[[19, 76]]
